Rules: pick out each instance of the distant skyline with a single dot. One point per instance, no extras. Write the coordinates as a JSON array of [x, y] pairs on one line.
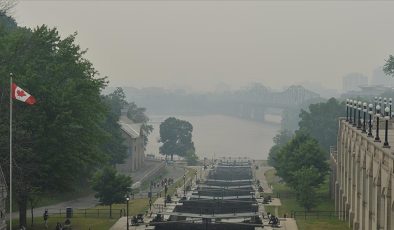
[[206, 45]]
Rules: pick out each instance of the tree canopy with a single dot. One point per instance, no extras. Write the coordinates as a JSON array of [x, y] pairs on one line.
[[56, 142], [111, 187], [301, 151], [176, 137], [113, 144], [388, 67], [281, 139], [301, 163], [138, 115], [321, 121]]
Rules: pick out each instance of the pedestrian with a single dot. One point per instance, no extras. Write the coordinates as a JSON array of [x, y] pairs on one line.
[[46, 215], [58, 226]]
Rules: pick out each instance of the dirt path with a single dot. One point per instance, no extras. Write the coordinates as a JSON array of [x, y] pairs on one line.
[[260, 175]]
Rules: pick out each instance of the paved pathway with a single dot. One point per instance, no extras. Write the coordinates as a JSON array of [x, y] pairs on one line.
[[87, 201], [80, 203], [260, 175]]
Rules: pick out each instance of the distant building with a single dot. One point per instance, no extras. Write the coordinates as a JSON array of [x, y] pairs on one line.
[[367, 92], [380, 78], [134, 140], [352, 81]]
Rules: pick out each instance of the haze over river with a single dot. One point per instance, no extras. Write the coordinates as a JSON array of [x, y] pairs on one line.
[[218, 136]]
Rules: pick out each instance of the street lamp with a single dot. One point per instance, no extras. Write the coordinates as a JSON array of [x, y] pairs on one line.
[[350, 109], [359, 114], [377, 138], [387, 118], [150, 196], [370, 120], [380, 102], [355, 113], [184, 185], [391, 103], [347, 109], [196, 176], [165, 194], [364, 114], [127, 212]]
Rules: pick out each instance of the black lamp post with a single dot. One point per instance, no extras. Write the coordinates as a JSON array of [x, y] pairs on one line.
[[347, 110], [370, 120], [127, 212], [150, 196], [359, 114], [350, 105], [364, 115], [165, 194], [390, 103], [354, 113], [184, 185], [377, 138], [387, 118], [196, 176]]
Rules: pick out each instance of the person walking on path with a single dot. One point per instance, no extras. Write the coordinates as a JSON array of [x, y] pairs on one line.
[[46, 218]]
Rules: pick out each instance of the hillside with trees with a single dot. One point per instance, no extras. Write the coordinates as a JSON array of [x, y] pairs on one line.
[[60, 142]]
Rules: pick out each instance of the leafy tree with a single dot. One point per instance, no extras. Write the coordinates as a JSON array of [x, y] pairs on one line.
[[113, 145], [388, 67], [55, 142], [321, 121], [176, 136], [289, 121], [111, 187], [116, 101], [191, 157], [6, 6], [301, 151], [281, 139], [137, 115], [306, 180]]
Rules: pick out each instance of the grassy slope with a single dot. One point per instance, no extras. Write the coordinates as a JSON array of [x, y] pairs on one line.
[[289, 204]]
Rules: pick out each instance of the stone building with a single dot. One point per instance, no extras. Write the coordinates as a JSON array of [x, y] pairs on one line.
[[362, 174], [134, 140]]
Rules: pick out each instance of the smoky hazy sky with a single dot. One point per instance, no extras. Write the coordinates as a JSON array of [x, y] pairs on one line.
[[200, 44]]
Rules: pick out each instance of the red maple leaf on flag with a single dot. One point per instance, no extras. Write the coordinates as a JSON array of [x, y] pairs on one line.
[[20, 93]]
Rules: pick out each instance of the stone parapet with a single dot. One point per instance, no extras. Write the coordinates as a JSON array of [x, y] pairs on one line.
[[363, 172]]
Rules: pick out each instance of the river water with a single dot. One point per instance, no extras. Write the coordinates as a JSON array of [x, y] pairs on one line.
[[218, 136]]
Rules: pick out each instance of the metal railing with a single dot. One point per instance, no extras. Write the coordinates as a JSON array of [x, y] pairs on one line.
[[316, 214], [87, 213]]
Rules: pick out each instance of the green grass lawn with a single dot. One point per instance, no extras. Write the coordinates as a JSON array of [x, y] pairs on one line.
[[290, 204], [77, 223], [98, 218]]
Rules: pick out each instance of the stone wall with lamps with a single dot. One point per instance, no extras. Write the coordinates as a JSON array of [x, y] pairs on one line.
[[363, 167]]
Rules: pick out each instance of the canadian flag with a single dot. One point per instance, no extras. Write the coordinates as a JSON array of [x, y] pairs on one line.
[[22, 95]]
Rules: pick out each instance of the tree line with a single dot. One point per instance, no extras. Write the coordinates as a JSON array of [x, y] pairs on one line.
[[72, 131], [300, 157]]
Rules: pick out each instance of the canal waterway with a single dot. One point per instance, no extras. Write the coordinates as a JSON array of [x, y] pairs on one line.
[[218, 135]]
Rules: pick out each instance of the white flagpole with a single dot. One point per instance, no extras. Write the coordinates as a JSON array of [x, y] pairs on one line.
[[10, 151]]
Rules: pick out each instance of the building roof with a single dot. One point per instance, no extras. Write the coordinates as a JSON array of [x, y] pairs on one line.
[[132, 129]]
